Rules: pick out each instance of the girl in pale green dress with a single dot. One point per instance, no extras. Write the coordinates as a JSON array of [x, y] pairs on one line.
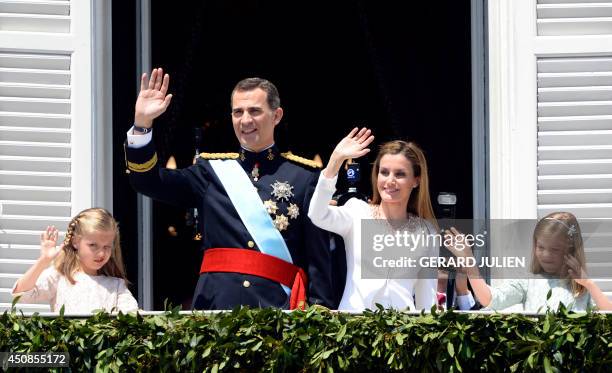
[[558, 260]]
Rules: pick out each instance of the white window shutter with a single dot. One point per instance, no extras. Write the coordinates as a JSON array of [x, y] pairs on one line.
[[550, 84], [39, 52], [575, 146], [574, 17], [575, 136], [574, 121], [35, 16]]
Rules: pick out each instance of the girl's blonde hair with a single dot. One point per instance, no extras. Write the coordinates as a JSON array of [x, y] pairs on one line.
[[86, 222], [563, 226], [419, 202]]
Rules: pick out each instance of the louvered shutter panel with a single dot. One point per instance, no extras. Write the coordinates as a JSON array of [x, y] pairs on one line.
[[550, 79], [575, 146], [575, 136], [35, 137], [574, 17], [51, 16]]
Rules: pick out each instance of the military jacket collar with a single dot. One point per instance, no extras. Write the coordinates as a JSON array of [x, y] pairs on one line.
[[263, 160]]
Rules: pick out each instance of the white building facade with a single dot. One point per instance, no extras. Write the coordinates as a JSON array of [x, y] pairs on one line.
[[542, 114]]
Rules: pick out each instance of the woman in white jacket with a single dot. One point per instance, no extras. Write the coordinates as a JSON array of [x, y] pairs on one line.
[[400, 203]]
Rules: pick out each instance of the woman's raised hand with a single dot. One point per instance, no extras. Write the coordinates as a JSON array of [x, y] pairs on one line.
[[354, 145]]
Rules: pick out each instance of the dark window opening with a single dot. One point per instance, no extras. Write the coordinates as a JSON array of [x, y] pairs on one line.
[[337, 65]]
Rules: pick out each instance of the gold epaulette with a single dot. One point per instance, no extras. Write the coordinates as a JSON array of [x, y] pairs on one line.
[[143, 167], [301, 160], [219, 155]]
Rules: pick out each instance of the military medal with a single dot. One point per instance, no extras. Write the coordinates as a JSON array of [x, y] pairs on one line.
[[282, 190], [255, 172], [293, 211], [281, 222], [270, 206]]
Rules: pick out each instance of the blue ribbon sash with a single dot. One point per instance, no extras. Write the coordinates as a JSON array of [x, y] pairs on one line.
[[251, 209]]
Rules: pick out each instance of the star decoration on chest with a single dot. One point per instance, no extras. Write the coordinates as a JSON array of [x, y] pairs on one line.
[[270, 206], [281, 222], [282, 190], [293, 211]]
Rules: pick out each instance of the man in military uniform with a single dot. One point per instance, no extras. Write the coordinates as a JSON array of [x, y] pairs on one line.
[[260, 247]]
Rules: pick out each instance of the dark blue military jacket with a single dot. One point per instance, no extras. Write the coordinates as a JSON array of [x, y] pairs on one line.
[[198, 186]]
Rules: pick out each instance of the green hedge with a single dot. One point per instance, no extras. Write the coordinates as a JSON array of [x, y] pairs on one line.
[[319, 340]]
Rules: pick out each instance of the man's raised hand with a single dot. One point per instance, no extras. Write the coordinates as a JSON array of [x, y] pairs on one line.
[[152, 100]]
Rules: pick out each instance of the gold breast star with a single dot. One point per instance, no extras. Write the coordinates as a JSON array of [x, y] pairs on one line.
[[282, 190], [293, 211], [270, 207], [281, 222]]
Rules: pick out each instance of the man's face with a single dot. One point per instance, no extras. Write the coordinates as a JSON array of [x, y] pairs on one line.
[[253, 119]]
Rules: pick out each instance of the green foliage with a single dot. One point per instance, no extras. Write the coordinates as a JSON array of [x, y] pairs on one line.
[[319, 340]]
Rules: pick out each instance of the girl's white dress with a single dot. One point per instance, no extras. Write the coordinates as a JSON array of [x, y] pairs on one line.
[[89, 293], [360, 293]]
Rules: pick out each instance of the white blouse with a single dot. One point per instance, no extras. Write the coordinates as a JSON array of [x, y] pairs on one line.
[[360, 293], [89, 293]]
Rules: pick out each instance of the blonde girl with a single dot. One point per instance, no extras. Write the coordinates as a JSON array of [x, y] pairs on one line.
[[87, 272], [558, 260]]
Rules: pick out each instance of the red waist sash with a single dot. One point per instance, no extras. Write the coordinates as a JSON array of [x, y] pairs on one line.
[[250, 262]]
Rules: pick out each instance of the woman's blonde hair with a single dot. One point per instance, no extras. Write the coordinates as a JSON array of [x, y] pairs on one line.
[[419, 202], [563, 226], [86, 222]]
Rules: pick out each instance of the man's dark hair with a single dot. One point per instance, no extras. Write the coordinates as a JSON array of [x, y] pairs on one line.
[[250, 84]]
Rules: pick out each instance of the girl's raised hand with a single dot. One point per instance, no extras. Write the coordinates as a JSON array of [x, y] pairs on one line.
[[575, 271], [48, 243]]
